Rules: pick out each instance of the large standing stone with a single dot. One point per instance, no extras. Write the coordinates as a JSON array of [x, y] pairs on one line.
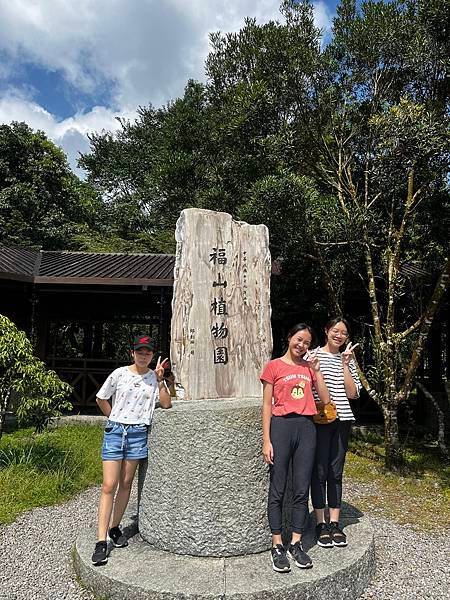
[[204, 492], [221, 334]]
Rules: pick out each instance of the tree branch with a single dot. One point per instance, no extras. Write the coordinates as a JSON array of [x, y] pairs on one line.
[[339, 243], [365, 382], [374, 199], [402, 335], [440, 415], [372, 292], [426, 321], [394, 259]]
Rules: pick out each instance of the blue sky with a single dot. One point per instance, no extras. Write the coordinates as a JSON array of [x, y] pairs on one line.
[[70, 67]]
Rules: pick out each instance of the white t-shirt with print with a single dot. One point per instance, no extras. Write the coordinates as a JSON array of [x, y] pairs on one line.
[[133, 396]]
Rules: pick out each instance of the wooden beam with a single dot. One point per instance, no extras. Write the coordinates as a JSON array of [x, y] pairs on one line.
[[103, 281]]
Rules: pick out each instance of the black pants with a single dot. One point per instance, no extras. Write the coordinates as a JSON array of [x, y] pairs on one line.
[[293, 437], [332, 444]]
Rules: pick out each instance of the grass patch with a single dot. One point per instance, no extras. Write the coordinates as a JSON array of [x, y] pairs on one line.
[[418, 495], [46, 469]]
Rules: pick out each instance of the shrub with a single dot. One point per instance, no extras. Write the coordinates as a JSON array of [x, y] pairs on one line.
[[39, 393]]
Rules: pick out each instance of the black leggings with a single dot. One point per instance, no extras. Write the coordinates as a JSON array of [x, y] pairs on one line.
[[293, 437], [332, 444]]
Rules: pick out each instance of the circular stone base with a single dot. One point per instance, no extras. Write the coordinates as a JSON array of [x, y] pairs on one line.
[[141, 571]]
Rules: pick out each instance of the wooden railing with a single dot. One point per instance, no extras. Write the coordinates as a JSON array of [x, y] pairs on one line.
[[85, 375]]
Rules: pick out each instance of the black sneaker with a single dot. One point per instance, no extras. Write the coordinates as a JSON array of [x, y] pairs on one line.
[[339, 537], [280, 562], [100, 556], [117, 537], [299, 556], [323, 535]]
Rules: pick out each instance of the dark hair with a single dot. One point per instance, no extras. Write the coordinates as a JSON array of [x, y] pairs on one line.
[[332, 322], [300, 327]]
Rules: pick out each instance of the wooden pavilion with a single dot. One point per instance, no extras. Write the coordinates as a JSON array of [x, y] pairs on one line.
[[81, 309]]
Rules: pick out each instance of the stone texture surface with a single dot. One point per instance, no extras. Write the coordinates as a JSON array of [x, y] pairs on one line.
[[221, 332], [78, 420], [204, 489], [141, 571]]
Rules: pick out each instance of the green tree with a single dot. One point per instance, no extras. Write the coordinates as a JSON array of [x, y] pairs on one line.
[[151, 169], [42, 202], [342, 150], [363, 125], [384, 150], [38, 393]]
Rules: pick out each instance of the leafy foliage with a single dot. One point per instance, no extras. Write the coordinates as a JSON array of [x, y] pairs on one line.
[[38, 393], [150, 170], [42, 203], [341, 149]]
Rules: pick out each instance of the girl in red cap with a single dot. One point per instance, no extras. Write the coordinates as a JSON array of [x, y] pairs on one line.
[[128, 399]]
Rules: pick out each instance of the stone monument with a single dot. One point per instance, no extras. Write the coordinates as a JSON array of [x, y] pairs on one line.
[[203, 493], [201, 529], [220, 334]]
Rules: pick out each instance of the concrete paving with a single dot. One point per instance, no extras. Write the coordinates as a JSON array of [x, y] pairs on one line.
[[141, 571]]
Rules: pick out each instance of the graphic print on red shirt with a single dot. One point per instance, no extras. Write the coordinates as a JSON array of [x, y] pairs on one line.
[[292, 392]]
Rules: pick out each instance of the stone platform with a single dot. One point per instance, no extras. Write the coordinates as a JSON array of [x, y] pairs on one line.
[[141, 571]]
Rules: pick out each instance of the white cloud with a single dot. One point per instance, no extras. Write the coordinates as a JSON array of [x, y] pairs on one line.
[[149, 48], [323, 17], [70, 134], [144, 50]]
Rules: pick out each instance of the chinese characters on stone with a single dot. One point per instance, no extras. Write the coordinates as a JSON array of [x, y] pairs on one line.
[[219, 306]]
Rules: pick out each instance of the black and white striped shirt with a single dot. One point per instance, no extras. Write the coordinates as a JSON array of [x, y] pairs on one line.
[[333, 374]]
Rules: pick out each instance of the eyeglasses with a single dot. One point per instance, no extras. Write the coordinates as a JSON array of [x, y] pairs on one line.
[[337, 332]]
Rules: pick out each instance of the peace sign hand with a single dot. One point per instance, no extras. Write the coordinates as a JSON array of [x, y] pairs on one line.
[[313, 360], [159, 369], [347, 355]]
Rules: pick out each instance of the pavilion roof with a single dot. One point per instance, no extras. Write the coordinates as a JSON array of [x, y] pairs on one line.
[[86, 268]]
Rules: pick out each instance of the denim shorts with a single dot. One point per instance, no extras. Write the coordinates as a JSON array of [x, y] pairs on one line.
[[121, 441]]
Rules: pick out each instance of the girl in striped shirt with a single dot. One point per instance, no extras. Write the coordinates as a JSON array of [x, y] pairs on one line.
[[340, 375]]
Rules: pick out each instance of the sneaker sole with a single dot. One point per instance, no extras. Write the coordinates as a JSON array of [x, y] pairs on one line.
[[322, 545], [299, 565], [119, 545], [341, 544], [116, 545], [278, 570], [100, 562]]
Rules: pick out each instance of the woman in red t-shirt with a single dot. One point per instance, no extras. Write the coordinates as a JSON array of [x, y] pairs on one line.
[[289, 434]]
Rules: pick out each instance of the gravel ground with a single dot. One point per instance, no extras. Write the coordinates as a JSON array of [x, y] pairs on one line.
[[35, 555]]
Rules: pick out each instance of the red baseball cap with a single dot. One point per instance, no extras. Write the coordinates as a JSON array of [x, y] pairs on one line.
[[143, 341]]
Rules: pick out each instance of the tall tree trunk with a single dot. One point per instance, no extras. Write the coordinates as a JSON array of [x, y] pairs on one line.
[[393, 453]]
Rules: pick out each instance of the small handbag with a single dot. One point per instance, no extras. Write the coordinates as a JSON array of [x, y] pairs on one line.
[[326, 414]]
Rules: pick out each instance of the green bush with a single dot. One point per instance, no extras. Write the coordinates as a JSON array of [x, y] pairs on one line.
[[38, 392]]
